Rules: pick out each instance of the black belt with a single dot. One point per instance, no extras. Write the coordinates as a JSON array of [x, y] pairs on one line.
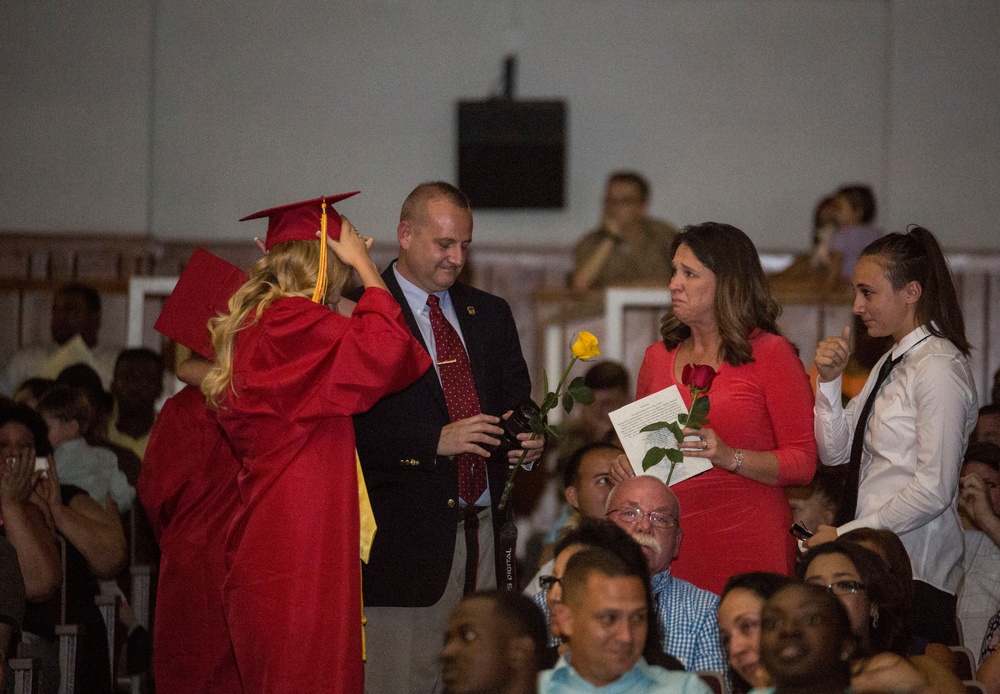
[[470, 516]]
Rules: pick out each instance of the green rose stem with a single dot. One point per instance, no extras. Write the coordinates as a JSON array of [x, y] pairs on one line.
[[696, 417], [550, 401]]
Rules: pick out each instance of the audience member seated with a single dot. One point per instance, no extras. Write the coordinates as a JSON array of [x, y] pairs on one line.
[[604, 615], [67, 414], [612, 389], [988, 425], [816, 272], [602, 534], [137, 385], [86, 380], [95, 548], [94, 469], [815, 504], [855, 218], [494, 645], [629, 246], [979, 508], [647, 509], [805, 642], [879, 622], [739, 625], [824, 227], [11, 606], [889, 548], [75, 324], [32, 389], [586, 483], [989, 657]]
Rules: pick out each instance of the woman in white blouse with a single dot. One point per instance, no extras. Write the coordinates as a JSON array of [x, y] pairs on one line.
[[904, 449]]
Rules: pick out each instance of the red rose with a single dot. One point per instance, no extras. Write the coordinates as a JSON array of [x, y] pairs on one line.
[[698, 376]]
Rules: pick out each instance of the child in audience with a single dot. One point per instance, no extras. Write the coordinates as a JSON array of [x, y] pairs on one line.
[[95, 470]]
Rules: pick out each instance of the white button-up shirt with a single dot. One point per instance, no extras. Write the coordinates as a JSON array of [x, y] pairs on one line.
[[913, 448]]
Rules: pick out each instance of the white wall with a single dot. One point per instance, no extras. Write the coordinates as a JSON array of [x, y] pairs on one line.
[[180, 117]]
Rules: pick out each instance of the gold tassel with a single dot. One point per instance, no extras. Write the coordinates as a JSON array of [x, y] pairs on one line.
[[319, 294]]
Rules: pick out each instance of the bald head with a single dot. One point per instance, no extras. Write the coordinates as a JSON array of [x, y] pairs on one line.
[[647, 510]]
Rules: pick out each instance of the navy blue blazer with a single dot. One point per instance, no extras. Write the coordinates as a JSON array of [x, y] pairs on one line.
[[414, 492]]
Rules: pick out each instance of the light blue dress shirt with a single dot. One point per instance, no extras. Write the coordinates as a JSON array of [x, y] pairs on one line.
[[641, 679]]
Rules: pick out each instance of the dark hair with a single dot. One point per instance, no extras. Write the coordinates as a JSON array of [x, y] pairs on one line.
[[86, 380], [841, 625], [743, 299], [35, 386], [891, 632], [983, 452], [24, 415], [860, 197], [916, 257], [597, 533], [601, 533], [819, 222], [91, 297], [606, 375], [596, 560], [986, 411], [828, 481], [571, 472], [521, 614], [67, 404], [140, 354], [416, 202], [633, 177], [763, 584], [896, 561]]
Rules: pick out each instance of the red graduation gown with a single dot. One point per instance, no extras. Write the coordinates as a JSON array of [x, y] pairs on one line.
[[292, 597], [187, 485]]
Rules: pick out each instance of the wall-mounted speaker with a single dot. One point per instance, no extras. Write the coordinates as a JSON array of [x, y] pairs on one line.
[[512, 154]]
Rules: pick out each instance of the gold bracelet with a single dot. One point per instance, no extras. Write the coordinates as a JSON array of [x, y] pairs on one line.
[[738, 454]]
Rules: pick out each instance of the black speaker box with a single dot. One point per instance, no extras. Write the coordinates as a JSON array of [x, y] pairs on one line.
[[512, 154]]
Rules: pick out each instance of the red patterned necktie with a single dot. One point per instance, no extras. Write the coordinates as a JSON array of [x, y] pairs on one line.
[[460, 396]]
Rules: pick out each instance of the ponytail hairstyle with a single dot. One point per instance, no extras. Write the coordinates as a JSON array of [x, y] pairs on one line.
[[916, 257], [290, 268]]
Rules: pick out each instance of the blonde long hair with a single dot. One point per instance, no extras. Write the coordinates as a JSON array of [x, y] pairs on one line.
[[288, 269]]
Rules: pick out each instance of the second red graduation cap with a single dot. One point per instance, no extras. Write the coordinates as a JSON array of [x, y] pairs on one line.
[[202, 292]]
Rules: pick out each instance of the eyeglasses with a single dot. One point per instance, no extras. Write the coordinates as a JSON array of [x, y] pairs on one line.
[[631, 516], [845, 587], [546, 582]]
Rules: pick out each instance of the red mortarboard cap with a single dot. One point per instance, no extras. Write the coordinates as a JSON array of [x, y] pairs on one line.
[[202, 292], [301, 220]]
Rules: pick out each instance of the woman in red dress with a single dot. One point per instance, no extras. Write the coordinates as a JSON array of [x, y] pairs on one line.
[[760, 436], [288, 376]]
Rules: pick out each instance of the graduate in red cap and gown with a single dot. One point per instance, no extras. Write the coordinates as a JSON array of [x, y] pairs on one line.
[[289, 374], [187, 486]]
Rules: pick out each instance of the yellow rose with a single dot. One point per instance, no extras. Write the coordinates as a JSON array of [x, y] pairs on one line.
[[585, 346]]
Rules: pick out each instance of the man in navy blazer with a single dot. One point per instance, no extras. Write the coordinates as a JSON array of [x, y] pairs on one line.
[[408, 444]]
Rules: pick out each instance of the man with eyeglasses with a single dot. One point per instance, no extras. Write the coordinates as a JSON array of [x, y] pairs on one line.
[[629, 246], [646, 509]]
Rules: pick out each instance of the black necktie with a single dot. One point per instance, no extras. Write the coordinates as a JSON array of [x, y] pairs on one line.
[[849, 499]]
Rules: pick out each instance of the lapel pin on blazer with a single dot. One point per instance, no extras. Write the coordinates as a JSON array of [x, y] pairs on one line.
[[471, 310]]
